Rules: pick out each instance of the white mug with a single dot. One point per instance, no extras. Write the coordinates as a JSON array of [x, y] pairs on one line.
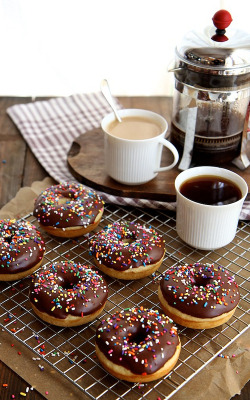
[[203, 226], [136, 161]]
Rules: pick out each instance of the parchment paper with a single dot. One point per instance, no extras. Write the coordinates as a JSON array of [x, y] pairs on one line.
[[221, 379]]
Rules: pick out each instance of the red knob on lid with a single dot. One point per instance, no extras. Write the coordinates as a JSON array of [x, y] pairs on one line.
[[222, 19]]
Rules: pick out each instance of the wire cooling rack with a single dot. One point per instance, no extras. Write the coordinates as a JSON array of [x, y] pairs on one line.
[[71, 351]]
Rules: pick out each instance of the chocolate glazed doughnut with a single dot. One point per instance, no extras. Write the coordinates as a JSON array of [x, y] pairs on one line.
[[68, 210], [21, 249], [137, 345], [198, 296], [68, 294], [127, 250]]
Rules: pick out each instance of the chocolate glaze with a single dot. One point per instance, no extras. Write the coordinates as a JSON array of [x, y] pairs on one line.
[[200, 290], [125, 245], [21, 246], [80, 208], [67, 288], [138, 339]]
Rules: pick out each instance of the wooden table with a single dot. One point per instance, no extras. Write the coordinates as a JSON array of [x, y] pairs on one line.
[[18, 168]]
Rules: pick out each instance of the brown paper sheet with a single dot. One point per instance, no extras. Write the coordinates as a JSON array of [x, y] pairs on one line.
[[223, 377], [220, 379]]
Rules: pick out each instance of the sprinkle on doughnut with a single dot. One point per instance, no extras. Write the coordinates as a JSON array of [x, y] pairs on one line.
[[21, 249], [138, 339]]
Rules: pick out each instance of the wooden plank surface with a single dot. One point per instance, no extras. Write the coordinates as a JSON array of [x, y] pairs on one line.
[[12, 385], [18, 168]]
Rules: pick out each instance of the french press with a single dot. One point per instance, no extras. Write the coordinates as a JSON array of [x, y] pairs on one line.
[[211, 95]]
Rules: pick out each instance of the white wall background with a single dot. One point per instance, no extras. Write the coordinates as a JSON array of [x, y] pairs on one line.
[[60, 47]]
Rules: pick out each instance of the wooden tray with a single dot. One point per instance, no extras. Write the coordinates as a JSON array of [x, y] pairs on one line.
[[86, 163]]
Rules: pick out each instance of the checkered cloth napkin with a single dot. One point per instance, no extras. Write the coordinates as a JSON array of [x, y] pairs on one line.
[[49, 128]]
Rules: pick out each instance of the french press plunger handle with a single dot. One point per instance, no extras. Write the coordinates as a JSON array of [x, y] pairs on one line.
[[221, 19]]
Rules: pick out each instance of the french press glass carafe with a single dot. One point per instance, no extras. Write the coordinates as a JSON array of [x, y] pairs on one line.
[[211, 95]]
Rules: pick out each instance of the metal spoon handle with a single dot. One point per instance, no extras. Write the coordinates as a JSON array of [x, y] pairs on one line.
[[107, 94]]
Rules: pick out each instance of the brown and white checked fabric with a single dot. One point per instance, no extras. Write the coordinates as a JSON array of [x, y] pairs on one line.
[[50, 126]]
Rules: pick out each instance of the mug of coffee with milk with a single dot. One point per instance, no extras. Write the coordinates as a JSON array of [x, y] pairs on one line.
[[133, 147]]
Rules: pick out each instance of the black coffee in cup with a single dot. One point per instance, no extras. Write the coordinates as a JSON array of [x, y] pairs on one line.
[[211, 190]]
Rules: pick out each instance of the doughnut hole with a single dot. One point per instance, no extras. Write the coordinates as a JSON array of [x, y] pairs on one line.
[[201, 280], [8, 238], [68, 283], [128, 241], [63, 200], [138, 336]]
